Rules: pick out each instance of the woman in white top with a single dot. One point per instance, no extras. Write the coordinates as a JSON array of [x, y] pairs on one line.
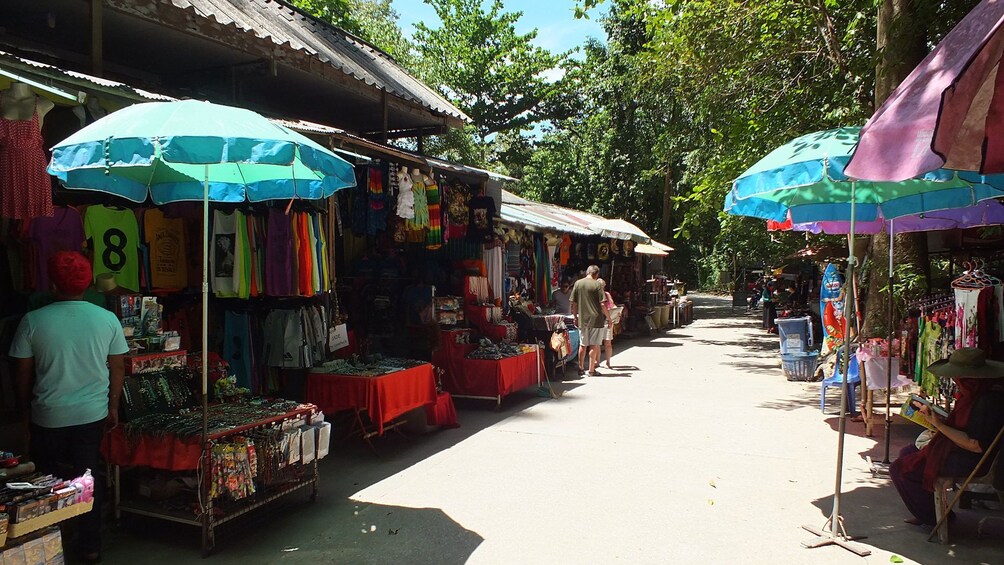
[[608, 341]]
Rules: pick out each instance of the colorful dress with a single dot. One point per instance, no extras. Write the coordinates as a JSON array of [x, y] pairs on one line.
[[434, 236], [25, 186], [967, 317]]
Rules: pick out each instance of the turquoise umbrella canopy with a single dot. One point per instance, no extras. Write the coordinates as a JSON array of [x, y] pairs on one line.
[[804, 179], [173, 151]]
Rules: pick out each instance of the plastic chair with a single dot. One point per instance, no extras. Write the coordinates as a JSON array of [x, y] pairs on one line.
[[836, 380]]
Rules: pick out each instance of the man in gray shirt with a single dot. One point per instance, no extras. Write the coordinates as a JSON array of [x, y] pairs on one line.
[[590, 316]]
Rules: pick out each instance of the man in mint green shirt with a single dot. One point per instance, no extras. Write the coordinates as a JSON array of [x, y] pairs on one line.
[[69, 369]]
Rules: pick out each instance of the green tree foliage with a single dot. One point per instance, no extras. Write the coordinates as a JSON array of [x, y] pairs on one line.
[[378, 24], [375, 21], [336, 12], [480, 63]]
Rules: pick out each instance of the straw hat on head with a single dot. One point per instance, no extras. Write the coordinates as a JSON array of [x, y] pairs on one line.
[[968, 362]]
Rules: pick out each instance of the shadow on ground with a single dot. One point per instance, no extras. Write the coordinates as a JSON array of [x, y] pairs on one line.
[[351, 532], [872, 508]]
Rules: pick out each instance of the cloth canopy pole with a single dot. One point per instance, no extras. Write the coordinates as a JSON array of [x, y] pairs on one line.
[[833, 531], [892, 335]]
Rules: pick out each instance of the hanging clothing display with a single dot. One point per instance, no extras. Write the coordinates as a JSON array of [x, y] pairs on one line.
[[376, 213], [304, 255], [967, 317], [481, 221], [421, 219], [930, 347], [493, 265], [114, 239], [458, 197], [552, 255], [542, 273], [434, 235], [314, 242], [165, 238], [256, 249], [565, 252], [296, 338], [406, 197], [280, 275], [25, 186], [225, 262], [63, 231], [237, 347]]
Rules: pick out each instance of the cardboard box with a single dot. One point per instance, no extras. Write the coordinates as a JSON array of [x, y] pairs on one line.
[[14, 556], [34, 552], [53, 543]]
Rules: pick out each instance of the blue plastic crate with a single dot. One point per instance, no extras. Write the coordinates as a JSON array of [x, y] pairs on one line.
[[799, 366], [795, 334]]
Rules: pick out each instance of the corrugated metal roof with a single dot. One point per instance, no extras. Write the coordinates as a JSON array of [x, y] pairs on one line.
[[543, 216], [289, 28], [458, 168], [51, 75]]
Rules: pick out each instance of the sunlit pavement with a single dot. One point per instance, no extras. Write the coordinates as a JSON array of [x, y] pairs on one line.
[[695, 449]]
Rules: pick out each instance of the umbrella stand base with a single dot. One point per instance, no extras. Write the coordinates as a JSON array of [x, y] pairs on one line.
[[878, 468], [835, 535]]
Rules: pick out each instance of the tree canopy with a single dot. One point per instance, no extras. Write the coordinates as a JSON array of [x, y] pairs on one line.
[[655, 122], [495, 75]]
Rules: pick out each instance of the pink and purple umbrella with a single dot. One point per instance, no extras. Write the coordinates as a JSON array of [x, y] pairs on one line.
[[949, 113]]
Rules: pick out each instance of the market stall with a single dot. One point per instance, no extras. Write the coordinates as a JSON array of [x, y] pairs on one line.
[[250, 451], [255, 453], [489, 372]]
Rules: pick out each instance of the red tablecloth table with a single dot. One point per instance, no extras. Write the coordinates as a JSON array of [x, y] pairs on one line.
[[384, 397], [494, 378]]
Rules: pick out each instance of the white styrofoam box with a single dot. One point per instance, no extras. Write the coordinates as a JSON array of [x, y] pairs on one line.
[[323, 431], [307, 450]]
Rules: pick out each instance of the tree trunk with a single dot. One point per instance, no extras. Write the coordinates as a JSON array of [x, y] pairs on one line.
[[665, 233], [901, 46]]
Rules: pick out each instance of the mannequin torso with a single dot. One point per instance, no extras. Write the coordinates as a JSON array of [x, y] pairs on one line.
[[19, 103]]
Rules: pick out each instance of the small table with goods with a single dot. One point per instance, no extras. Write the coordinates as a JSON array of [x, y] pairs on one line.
[[873, 356], [487, 371], [257, 451], [33, 503], [384, 389]]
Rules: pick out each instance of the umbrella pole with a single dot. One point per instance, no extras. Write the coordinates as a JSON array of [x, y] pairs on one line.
[[204, 501], [892, 336], [833, 531], [205, 308]]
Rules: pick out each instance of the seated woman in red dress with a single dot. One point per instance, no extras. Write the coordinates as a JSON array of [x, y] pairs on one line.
[[961, 438]]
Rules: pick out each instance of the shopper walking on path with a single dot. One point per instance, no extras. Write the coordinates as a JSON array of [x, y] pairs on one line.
[[608, 338], [69, 372], [590, 316]]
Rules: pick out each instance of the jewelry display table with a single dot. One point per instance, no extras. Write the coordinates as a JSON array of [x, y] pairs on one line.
[[172, 452]]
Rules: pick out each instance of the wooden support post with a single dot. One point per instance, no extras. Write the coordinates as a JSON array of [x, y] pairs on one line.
[[386, 116], [97, 38]]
